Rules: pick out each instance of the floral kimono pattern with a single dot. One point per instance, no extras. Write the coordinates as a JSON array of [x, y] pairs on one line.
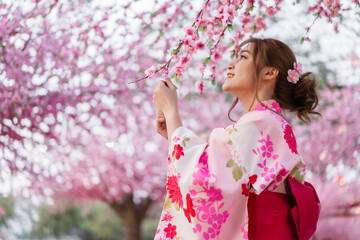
[[208, 183]]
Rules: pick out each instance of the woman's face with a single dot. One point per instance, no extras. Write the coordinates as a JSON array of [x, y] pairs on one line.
[[241, 75]]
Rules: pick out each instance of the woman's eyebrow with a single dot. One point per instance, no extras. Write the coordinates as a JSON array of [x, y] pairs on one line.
[[242, 51]]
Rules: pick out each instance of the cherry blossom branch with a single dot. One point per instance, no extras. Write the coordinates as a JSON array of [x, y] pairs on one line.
[[306, 37], [174, 52]]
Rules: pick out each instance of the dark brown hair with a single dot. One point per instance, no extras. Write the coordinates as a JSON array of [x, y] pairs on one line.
[[301, 97]]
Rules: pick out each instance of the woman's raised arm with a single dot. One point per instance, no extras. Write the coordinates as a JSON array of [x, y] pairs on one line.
[[166, 100]]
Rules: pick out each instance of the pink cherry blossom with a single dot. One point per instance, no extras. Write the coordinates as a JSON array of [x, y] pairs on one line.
[[217, 55], [200, 45], [293, 76], [150, 71], [200, 86], [259, 23], [188, 41], [190, 31]]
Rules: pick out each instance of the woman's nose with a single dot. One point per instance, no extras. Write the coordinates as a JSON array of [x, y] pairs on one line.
[[230, 66]]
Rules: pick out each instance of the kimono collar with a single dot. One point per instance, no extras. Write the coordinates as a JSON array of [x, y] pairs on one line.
[[270, 103]]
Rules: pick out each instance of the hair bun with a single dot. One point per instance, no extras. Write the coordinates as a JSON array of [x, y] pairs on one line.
[[305, 97]]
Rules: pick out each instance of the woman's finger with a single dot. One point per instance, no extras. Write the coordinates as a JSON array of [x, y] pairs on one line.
[[160, 114], [170, 84]]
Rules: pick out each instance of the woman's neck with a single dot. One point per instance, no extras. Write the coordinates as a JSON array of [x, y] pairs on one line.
[[249, 102]]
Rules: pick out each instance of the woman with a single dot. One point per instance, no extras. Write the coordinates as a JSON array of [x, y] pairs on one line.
[[209, 183]]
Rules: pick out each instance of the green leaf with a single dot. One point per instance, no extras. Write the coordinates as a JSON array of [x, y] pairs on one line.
[[208, 59], [250, 8], [230, 27], [229, 142], [237, 173], [174, 75], [302, 40], [213, 82], [177, 78], [175, 51], [230, 163]]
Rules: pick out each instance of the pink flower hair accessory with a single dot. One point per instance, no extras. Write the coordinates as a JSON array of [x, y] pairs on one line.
[[294, 74]]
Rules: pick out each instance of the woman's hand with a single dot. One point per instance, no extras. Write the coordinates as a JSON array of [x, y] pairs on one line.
[[165, 97], [166, 100], [161, 124]]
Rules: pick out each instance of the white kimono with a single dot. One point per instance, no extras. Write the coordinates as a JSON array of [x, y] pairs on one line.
[[208, 184]]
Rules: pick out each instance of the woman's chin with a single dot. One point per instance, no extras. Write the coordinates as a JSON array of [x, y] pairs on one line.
[[225, 87]]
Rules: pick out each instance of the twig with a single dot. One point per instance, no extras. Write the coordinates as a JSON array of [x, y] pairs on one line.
[[167, 64]]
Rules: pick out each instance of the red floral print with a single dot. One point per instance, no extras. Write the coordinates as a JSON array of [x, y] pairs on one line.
[[167, 217], [245, 190], [174, 190], [252, 179], [170, 231], [246, 187], [178, 151], [290, 138], [169, 159], [189, 211]]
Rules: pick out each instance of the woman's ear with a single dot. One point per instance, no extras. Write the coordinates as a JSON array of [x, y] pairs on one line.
[[270, 73]]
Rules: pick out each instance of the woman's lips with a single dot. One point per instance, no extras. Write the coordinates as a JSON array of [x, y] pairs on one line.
[[229, 75]]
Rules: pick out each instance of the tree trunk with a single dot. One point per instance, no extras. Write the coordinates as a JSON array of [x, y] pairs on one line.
[[131, 226], [132, 215]]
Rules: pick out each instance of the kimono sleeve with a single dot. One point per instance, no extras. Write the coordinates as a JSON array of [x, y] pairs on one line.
[[264, 149], [200, 195], [186, 145]]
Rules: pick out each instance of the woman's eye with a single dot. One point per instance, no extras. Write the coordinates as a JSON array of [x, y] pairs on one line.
[[242, 56]]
